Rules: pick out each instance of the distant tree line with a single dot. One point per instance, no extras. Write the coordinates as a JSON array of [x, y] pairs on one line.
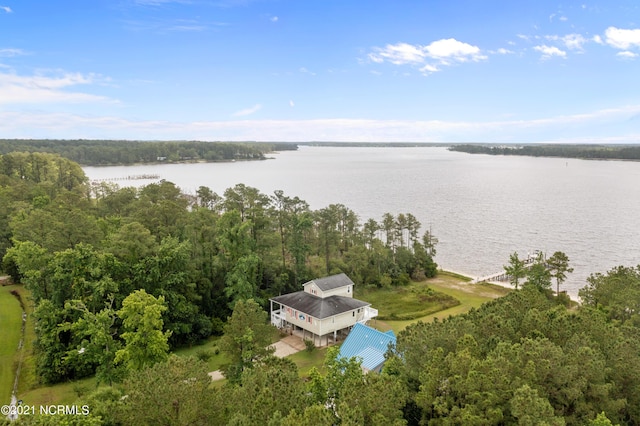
[[93, 256], [375, 144], [590, 152], [120, 152]]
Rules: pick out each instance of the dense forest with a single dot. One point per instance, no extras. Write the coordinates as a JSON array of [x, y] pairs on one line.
[[123, 152], [522, 359], [83, 250], [589, 152], [119, 276]]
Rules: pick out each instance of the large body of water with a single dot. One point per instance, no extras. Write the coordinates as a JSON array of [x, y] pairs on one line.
[[481, 208]]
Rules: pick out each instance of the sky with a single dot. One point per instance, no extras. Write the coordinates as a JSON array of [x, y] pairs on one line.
[[500, 71]]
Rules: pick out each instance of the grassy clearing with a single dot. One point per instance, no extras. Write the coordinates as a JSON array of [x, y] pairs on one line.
[[206, 350], [415, 300], [60, 393], [209, 351], [454, 285], [11, 325], [306, 360], [28, 378]]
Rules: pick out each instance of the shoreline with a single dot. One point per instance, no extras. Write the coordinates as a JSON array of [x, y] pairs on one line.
[[472, 281]]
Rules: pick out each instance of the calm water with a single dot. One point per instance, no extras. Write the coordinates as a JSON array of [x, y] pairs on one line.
[[482, 208]]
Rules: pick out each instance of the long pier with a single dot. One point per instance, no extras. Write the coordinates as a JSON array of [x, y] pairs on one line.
[[130, 177], [502, 275]]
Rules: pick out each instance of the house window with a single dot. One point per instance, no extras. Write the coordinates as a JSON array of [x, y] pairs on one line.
[[353, 313], [349, 289]]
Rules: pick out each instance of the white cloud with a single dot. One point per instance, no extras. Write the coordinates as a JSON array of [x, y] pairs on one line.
[[626, 54], [69, 126], [6, 9], [503, 51], [9, 52], [65, 126], [291, 104], [454, 49], [247, 111], [570, 41], [187, 28], [596, 38], [306, 71], [427, 69], [560, 18], [158, 2], [432, 57], [398, 54], [274, 19], [622, 39], [16, 89], [549, 51], [574, 41]]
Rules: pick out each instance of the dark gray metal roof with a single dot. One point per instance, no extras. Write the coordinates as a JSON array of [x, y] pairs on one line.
[[329, 283], [319, 307]]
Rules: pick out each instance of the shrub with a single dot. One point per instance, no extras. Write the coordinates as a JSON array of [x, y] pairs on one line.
[[310, 346], [204, 355]]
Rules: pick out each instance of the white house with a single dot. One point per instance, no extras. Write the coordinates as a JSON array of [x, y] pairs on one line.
[[323, 309]]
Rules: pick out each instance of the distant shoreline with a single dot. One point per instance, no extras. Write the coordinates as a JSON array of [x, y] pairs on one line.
[[578, 152]]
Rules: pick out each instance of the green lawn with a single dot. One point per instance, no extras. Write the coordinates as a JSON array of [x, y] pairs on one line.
[[210, 347], [61, 393], [10, 324], [28, 372], [409, 302], [306, 360], [469, 296]]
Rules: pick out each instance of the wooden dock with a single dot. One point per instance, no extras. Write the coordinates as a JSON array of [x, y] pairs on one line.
[[502, 275], [130, 177]]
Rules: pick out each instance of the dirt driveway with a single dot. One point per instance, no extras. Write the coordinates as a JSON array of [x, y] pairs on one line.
[[284, 347]]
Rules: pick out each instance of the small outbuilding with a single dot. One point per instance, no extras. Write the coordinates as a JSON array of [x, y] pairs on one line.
[[368, 345]]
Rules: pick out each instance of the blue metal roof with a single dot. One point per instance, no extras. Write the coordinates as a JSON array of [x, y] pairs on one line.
[[368, 344], [370, 358]]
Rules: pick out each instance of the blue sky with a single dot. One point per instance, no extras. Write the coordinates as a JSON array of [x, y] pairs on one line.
[[302, 70]]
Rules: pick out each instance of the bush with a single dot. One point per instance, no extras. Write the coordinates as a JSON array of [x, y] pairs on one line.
[[563, 299], [310, 346], [217, 326], [80, 390], [204, 355]]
